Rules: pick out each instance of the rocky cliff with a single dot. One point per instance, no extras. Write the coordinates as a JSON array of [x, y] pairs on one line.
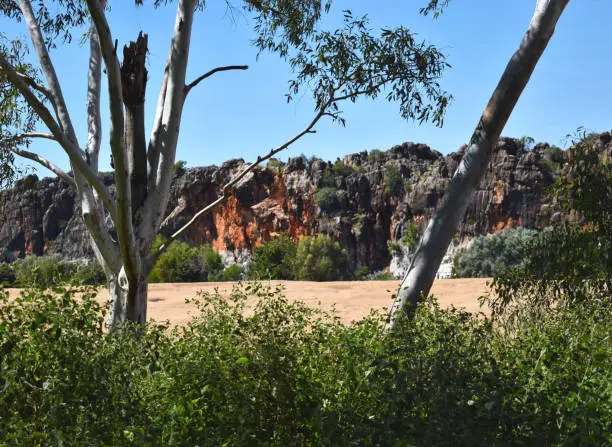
[[363, 201]]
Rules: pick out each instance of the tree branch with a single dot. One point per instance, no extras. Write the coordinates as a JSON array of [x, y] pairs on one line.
[[167, 131], [86, 178], [123, 223], [54, 88], [47, 164], [94, 86], [212, 72], [154, 148], [228, 187], [39, 87], [73, 151], [47, 136]]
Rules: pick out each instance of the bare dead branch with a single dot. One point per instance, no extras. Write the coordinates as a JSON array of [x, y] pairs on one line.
[[47, 164], [212, 72], [123, 221]]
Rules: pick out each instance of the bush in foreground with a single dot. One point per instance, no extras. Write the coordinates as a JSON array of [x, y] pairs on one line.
[[286, 374]]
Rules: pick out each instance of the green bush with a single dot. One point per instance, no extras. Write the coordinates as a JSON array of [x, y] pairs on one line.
[[90, 275], [7, 274], [488, 255], [285, 374], [327, 199], [394, 183], [318, 258], [375, 155], [361, 273], [341, 169], [44, 271], [182, 263], [567, 265], [383, 275], [274, 259], [232, 273]]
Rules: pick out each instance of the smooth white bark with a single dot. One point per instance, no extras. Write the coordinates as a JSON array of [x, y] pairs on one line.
[[169, 125], [443, 225]]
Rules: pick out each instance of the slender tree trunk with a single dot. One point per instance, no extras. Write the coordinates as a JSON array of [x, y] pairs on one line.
[[443, 225]]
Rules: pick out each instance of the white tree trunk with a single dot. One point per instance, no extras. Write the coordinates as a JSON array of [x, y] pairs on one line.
[[443, 225], [127, 299]]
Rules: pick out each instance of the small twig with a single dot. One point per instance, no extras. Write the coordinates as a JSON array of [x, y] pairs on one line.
[[208, 74]]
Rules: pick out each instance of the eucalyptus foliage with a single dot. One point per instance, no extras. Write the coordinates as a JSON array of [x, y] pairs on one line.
[[569, 264]]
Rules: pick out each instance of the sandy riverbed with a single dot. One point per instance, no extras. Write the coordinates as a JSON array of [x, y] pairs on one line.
[[352, 299]]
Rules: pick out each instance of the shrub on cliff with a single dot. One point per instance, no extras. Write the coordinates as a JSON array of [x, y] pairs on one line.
[[274, 259], [488, 255], [327, 199], [394, 183], [567, 265], [318, 258]]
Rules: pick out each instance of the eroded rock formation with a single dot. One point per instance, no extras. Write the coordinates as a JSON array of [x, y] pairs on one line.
[[368, 199]]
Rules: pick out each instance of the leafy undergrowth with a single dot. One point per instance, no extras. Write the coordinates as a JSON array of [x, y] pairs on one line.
[[290, 375]]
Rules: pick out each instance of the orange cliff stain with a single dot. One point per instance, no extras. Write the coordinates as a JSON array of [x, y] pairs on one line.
[[241, 227], [507, 224], [230, 227], [499, 192]]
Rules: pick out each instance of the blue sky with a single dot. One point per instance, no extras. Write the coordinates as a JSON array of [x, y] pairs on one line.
[[244, 113]]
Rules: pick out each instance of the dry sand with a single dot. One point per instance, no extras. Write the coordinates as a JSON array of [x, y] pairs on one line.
[[352, 299]]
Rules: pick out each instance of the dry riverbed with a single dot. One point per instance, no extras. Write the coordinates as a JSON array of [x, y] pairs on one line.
[[351, 299]]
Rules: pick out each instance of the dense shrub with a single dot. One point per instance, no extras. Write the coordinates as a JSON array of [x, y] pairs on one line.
[[375, 155], [342, 169], [327, 199], [394, 183], [274, 259], [566, 265], [318, 258], [7, 274], [490, 254], [232, 273], [91, 274], [182, 263], [44, 271], [284, 374]]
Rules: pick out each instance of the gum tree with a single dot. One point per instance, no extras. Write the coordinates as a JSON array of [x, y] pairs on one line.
[[335, 66], [445, 221]]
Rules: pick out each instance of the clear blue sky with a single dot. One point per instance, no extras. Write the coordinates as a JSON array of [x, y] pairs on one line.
[[242, 114]]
